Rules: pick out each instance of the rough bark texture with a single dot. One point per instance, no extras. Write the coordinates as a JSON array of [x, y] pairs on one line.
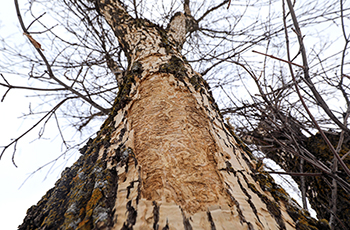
[[318, 190], [164, 159]]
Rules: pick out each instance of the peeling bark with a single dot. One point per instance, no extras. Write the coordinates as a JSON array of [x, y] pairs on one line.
[[164, 159]]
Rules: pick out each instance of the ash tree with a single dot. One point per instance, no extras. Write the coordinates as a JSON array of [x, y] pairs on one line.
[[163, 158]]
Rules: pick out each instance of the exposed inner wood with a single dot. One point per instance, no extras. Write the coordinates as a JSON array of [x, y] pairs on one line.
[[173, 146]]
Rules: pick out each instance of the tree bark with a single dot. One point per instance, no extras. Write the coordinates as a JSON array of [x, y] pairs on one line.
[[319, 189], [164, 159]]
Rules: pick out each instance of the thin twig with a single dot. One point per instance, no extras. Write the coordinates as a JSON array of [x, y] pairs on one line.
[[30, 88], [344, 75], [302, 161], [211, 10], [271, 56], [25, 133], [36, 44], [35, 20]]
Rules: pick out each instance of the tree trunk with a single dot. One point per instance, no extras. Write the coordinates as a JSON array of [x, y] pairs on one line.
[[319, 189], [164, 159]]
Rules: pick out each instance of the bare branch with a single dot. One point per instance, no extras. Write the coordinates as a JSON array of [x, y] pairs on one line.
[[318, 97], [15, 141], [49, 69], [271, 56], [211, 10], [346, 169]]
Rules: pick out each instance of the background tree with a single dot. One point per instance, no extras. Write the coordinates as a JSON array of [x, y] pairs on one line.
[[217, 39], [301, 122]]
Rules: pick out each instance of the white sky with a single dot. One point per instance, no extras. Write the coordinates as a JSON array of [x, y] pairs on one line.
[[14, 201]]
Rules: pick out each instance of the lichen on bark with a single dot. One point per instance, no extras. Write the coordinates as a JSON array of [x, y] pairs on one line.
[[318, 188]]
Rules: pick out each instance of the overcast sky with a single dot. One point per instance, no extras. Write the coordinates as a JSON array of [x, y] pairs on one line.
[[31, 154]]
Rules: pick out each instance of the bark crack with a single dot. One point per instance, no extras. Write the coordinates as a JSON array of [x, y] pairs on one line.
[[238, 208], [131, 217], [211, 221], [272, 206], [249, 200], [155, 215], [186, 222]]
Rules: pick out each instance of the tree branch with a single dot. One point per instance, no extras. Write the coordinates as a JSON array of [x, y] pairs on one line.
[[35, 125], [318, 97], [50, 72], [346, 169]]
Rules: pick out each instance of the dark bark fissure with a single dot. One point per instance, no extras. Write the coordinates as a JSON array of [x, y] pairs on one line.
[[185, 221], [155, 215], [272, 205], [248, 198], [228, 132], [229, 169], [131, 217], [238, 208], [210, 219], [130, 187], [166, 227], [248, 156], [138, 197]]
